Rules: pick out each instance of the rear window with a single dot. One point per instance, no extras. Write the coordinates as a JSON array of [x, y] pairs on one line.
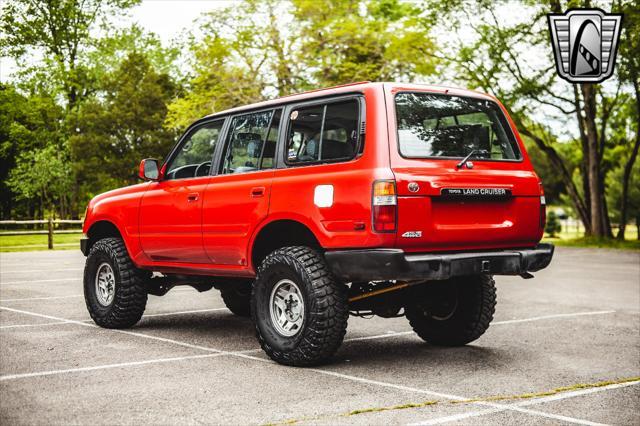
[[432, 125]]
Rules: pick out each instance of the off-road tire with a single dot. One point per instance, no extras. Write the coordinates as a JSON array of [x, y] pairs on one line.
[[237, 298], [476, 303], [326, 309], [130, 297]]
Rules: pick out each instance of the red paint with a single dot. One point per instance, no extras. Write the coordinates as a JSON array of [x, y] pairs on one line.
[[207, 225]]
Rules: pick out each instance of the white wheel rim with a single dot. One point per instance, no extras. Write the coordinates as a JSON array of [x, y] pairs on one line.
[[286, 307], [105, 284]]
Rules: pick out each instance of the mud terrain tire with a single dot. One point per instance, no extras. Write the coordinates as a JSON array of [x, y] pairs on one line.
[[237, 298], [325, 307], [453, 312], [125, 304]]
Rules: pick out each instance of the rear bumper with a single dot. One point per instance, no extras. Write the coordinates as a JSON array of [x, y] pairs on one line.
[[395, 264]]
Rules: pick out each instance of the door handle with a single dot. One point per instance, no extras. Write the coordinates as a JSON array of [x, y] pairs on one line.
[[193, 197], [258, 191]]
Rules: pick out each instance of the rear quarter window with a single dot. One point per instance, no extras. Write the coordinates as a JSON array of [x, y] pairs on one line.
[[323, 132], [432, 126]]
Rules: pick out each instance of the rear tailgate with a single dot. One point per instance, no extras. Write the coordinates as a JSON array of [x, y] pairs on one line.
[[466, 209], [444, 204]]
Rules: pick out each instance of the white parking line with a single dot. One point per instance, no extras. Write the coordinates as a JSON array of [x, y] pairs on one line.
[[72, 279], [26, 270], [33, 325], [544, 317], [40, 298], [354, 339], [496, 406], [513, 321], [22, 299], [162, 314], [129, 333], [104, 367], [536, 401], [166, 314], [243, 354]]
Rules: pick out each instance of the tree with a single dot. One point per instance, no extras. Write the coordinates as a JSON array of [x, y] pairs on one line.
[[246, 54], [501, 60], [552, 226], [122, 126], [58, 32], [615, 194], [347, 41], [43, 174], [630, 73], [28, 122]]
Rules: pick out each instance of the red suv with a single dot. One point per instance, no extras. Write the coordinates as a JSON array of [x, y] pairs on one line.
[[369, 198]]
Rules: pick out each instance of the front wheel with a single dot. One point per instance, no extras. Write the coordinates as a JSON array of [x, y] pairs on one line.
[[300, 312], [114, 289], [453, 312]]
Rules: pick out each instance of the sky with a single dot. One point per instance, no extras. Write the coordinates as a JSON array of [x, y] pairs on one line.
[[167, 18]]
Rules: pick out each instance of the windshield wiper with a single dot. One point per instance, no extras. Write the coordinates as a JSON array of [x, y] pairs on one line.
[[473, 152]]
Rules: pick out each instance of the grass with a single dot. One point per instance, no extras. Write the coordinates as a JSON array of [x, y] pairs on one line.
[[571, 238], [575, 238], [528, 395], [9, 243]]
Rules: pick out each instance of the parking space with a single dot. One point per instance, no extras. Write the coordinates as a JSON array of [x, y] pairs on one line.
[[564, 347]]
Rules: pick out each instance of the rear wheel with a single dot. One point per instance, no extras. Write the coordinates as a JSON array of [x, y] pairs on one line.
[[237, 298], [114, 289], [300, 312], [453, 312]]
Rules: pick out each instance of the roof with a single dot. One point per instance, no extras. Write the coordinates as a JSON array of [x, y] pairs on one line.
[[350, 88]]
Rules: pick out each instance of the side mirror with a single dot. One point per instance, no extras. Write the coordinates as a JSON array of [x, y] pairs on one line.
[[149, 169]]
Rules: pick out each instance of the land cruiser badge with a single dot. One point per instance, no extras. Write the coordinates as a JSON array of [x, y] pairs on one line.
[[585, 43]]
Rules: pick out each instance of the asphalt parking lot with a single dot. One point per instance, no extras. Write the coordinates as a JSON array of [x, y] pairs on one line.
[[564, 347]]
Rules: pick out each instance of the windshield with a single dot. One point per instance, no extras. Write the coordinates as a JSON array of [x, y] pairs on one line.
[[432, 125]]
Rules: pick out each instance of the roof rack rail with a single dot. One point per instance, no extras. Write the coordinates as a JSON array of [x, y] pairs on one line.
[[326, 88]]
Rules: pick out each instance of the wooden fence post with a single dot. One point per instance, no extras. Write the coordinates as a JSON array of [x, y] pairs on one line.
[[50, 233]]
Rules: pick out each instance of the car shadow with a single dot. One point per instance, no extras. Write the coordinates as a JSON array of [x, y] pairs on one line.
[[407, 349]]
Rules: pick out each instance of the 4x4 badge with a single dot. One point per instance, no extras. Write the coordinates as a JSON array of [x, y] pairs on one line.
[[585, 43], [412, 234]]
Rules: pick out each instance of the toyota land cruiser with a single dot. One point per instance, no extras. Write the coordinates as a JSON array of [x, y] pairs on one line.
[[368, 198]]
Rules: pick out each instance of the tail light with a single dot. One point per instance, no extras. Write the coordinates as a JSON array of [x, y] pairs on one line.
[[384, 203], [543, 209]]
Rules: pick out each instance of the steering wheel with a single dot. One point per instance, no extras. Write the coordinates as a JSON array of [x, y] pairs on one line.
[[201, 166]]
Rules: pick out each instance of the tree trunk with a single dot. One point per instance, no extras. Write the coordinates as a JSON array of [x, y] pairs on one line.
[[584, 165], [593, 171], [628, 168], [557, 162]]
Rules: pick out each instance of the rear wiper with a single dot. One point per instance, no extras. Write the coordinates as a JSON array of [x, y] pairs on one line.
[[473, 152]]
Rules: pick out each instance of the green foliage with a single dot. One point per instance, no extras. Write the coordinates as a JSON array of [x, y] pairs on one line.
[[116, 130], [246, 56], [43, 174], [614, 194], [553, 226], [91, 100], [27, 124], [59, 31], [347, 41]]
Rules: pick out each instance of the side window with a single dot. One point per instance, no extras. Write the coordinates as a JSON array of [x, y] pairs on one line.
[[247, 136], [193, 158], [323, 132], [269, 152]]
